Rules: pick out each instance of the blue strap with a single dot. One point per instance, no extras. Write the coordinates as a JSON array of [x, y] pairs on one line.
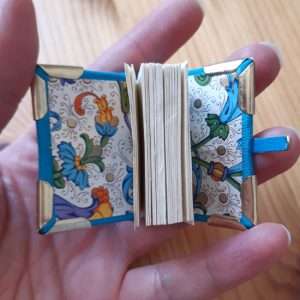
[[270, 144], [246, 222]]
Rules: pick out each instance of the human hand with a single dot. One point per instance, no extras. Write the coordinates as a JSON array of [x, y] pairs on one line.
[[94, 263]]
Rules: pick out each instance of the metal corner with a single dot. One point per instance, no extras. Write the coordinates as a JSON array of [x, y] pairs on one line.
[[288, 140], [67, 72], [225, 221], [224, 67], [45, 203], [70, 224], [246, 81], [247, 89], [39, 98], [249, 198]]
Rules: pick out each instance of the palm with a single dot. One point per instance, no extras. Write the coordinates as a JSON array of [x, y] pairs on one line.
[[95, 263], [63, 257]]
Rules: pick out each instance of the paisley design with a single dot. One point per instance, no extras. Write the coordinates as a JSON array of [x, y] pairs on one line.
[[100, 207], [66, 210]]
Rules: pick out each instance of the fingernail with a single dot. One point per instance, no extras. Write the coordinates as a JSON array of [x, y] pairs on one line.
[[276, 49], [288, 233], [200, 3]]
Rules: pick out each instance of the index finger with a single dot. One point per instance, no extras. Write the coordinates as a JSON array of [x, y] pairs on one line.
[[156, 37]]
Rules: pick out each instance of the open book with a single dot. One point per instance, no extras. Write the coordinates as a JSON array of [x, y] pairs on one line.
[[165, 145], [162, 162]]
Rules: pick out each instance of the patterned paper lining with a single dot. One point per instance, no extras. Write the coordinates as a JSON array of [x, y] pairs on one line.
[[91, 148], [216, 132]]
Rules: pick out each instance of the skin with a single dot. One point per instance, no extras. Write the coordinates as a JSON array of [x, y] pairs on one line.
[[94, 263]]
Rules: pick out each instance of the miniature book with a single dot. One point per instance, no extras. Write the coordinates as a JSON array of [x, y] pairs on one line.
[[163, 145]]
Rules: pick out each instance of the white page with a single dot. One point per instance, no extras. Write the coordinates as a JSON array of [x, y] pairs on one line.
[[151, 106], [178, 130], [160, 145], [142, 85], [132, 94], [188, 208]]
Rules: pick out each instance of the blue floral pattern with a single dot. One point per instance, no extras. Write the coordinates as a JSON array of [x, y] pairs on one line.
[[216, 132], [71, 167], [92, 110], [127, 186], [106, 129]]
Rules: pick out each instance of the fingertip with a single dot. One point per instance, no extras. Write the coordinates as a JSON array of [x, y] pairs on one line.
[[275, 49], [192, 8], [152, 40], [271, 164], [267, 62], [272, 239], [253, 251], [288, 234]]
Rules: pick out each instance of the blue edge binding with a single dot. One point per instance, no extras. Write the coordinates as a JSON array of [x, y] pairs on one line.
[[250, 145]]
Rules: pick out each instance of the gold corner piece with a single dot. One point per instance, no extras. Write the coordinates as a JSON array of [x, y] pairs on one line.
[[249, 198], [39, 98], [45, 203], [288, 140], [70, 224], [247, 90], [67, 72], [224, 67], [225, 221]]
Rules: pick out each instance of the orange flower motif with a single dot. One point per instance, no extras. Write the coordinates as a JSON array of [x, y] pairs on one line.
[[104, 209], [78, 102], [106, 122], [217, 171], [101, 102], [101, 193], [105, 114]]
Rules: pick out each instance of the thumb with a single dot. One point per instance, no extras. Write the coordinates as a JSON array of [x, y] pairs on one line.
[[18, 53]]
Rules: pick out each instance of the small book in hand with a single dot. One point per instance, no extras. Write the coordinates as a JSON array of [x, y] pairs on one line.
[[161, 146]]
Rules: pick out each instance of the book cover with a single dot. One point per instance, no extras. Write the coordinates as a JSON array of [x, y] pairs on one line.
[[84, 136]]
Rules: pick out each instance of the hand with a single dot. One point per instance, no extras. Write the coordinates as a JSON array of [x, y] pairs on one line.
[[94, 263]]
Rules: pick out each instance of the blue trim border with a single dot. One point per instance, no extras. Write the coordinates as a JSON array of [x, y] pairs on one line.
[[45, 152], [246, 141], [128, 216], [87, 74]]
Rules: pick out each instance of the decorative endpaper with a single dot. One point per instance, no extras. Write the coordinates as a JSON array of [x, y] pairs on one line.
[[91, 148], [216, 132]]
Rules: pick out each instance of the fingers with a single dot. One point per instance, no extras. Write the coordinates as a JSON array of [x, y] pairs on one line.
[[152, 40], [267, 63], [207, 274], [267, 66], [18, 53], [143, 239], [266, 165], [270, 165]]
